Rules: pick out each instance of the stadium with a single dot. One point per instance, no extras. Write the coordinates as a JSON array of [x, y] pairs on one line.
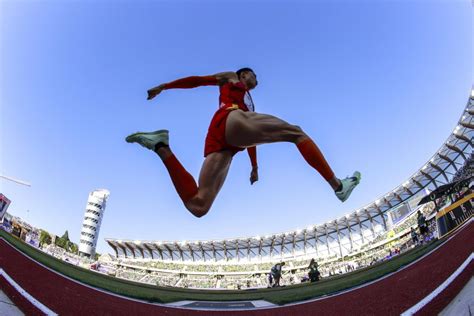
[[355, 241], [359, 248], [407, 252]]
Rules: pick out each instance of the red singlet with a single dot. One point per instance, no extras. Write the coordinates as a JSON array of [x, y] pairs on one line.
[[233, 96]]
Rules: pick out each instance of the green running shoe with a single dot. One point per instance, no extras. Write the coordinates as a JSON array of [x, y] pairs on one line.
[[348, 184], [149, 140]]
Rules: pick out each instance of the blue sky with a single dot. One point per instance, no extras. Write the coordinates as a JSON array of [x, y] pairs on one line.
[[379, 85]]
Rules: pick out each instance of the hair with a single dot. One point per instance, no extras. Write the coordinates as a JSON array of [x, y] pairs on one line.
[[241, 70]]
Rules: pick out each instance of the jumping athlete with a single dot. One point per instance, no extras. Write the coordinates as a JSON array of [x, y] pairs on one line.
[[235, 127]]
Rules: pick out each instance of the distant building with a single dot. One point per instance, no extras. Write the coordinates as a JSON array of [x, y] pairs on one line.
[[92, 220], [4, 203]]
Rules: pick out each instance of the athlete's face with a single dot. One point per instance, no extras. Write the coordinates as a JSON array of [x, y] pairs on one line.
[[249, 79]]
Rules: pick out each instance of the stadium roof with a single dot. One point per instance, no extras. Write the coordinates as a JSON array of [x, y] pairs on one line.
[[334, 238]]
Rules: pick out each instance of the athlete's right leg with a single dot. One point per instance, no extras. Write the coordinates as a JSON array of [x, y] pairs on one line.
[[198, 200]]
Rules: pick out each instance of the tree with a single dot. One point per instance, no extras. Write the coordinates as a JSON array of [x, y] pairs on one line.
[[73, 248], [65, 236], [64, 241], [60, 242], [45, 238]]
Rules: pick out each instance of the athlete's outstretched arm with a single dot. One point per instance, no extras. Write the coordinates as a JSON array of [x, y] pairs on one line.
[[252, 151], [193, 82]]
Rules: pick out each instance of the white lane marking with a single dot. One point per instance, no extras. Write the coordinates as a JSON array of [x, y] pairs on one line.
[[415, 308], [26, 295]]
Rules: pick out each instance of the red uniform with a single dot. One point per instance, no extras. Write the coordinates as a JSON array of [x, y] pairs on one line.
[[233, 96]]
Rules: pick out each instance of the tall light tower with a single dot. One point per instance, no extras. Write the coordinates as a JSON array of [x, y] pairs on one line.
[[92, 220]]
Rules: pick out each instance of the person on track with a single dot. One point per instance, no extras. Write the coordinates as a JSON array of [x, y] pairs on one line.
[[274, 276]]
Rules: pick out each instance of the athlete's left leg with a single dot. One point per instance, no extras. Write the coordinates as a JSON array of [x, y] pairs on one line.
[[247, 129]]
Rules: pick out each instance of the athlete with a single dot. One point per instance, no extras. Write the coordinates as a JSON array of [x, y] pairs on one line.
[[235, 127]]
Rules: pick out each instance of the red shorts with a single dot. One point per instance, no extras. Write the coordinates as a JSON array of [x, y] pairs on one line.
[[215, 139]]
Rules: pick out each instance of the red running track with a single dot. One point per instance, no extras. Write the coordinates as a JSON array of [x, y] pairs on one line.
[[389, 296]]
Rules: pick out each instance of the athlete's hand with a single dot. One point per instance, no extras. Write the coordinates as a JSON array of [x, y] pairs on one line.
[[153, 92], [254, 175]]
